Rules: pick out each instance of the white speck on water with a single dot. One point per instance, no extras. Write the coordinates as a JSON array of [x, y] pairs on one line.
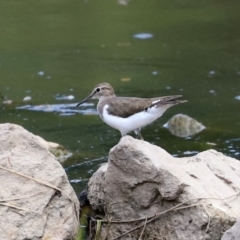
[[165, 125], [237, 97], [190, 152], [40, 73], [211, 143], [212, 72], [75, 181], [168, 87], [143, 36], [27, 98], [154, 73], [69, 97], [212, 91], [7, 101], [66, 114], [71, 89], [123, 2], [49, 77]]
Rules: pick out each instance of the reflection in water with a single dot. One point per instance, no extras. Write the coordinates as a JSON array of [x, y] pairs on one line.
[[231, 147], [62, 109], [88, 166], [183, 126]]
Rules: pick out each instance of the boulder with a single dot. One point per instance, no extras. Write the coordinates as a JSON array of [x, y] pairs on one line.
[[36, 199], [145, 193]]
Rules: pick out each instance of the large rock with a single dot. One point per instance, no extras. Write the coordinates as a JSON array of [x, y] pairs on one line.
[[142, 180], [36, 199]]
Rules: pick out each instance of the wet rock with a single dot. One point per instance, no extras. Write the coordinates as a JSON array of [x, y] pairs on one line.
[[36, 199], [182, 125], [174, 198], [83, 199]]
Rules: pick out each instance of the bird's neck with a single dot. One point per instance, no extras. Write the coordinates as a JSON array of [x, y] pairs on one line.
[[102, 98]]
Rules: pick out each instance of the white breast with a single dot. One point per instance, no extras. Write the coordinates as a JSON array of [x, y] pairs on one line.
[[138, 120]]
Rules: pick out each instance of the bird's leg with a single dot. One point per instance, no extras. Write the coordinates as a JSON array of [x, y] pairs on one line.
[[138, 133], [123, 134], [140, 136]]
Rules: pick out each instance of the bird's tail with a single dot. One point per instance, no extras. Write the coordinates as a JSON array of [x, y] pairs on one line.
[[168, 101]]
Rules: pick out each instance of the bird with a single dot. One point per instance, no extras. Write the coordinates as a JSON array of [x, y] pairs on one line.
[[128, 114]]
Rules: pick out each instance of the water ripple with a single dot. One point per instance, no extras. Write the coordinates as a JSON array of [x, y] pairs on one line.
[[62, 109]]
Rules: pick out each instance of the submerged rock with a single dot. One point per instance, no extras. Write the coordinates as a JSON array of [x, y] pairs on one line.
[[145, 193], [182, 125], [36, 199]]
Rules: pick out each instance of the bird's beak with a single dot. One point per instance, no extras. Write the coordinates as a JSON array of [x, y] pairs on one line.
[[86, 99]]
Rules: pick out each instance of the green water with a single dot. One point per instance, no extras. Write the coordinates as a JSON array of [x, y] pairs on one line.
[[58, 47]]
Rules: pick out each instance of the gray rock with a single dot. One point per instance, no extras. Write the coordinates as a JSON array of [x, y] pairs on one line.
[[141, 180], [36, 199]]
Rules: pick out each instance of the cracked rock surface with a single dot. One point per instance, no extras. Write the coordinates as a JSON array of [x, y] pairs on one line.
[[29, 209], [141, 180]]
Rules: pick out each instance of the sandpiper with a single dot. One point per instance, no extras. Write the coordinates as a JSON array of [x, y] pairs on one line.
[[128, 114]]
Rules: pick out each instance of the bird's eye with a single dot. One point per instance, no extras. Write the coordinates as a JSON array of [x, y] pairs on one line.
[[98, 90]]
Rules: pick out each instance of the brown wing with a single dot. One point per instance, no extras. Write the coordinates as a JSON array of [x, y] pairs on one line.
[[126, 106]]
